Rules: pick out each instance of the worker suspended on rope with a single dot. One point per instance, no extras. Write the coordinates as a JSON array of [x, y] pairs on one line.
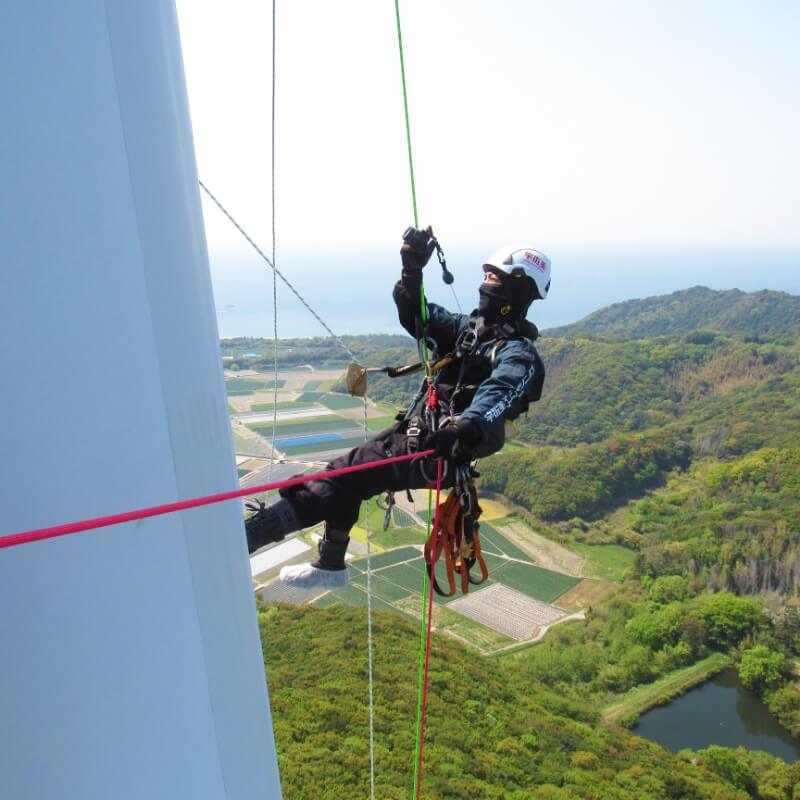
[[460, 411]]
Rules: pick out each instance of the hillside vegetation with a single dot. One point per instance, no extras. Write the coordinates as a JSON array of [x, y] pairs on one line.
[[732, 311], [596, 389], [683, 447], [493, 730], [669, 429]]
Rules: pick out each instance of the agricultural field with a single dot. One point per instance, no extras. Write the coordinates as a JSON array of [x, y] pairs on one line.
[[607, 561], [317, 434], [339, 401], [318, 444], [401, 518], [293, 427], [310, 397], [281, 405], [584, 594], [492, 541], [250, 385], [519, 596], [377, 424], [507, 609]]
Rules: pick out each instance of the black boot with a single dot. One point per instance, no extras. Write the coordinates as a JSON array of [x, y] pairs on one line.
[[269, 524], [331, 554], [328, 571]]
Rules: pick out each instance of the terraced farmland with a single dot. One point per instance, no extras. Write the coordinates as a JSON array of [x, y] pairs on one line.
[[506, 609], [509, 607], [250, 385], [337, 401]]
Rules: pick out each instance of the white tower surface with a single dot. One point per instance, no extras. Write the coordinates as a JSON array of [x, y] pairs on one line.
[[131, 665]]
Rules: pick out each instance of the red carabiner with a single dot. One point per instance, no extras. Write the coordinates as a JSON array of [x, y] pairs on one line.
[[433, 400]]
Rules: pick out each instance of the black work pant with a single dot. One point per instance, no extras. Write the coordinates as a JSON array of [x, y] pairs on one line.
[[337, 500]]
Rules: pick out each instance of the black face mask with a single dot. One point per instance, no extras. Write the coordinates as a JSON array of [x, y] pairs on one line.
[[493, 305]]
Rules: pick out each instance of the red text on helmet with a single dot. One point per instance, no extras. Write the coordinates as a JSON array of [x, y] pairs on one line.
[[535, 260]]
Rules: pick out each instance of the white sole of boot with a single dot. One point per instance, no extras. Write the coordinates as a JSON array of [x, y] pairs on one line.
[[305, 576]]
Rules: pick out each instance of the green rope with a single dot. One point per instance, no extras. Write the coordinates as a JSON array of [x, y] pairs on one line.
[[425, 357], [422, 301], [405, 107]]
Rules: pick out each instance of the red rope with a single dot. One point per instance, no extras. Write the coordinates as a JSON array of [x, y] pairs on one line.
[[13, 539], [428, 630]]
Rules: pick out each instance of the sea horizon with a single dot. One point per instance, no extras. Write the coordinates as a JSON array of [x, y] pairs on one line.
[[353, 294]]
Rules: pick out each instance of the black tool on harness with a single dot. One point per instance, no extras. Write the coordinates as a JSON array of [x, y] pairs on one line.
[[387, 507], [447, 276]]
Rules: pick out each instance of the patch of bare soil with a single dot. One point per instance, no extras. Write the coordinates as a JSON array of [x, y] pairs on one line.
[[545, 552], [239, 403], [586, 593]]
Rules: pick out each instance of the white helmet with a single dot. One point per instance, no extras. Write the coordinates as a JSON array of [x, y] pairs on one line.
[[517, 260]]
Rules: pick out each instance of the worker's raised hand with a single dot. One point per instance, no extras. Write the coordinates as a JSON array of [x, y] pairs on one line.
[[418, 246]]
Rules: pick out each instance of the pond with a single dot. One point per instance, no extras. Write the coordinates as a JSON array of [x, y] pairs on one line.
[[721, 711]]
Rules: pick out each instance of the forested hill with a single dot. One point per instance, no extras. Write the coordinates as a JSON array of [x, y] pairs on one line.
[[672, 437], [677, 436], [764, 313], [493, 730], [684, 445]]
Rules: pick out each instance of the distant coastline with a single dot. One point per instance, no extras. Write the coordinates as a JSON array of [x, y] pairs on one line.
[[353, 294]]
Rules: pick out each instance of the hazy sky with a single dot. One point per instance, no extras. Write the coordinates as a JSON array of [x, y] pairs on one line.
[[561, 124]]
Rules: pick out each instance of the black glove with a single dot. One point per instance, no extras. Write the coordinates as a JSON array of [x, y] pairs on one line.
[[447, 441], [418, 246]]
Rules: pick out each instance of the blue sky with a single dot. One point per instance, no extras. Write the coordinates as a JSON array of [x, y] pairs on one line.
[[569, 125]]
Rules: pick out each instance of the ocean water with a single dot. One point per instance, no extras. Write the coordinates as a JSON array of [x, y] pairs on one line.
[[352, 293]]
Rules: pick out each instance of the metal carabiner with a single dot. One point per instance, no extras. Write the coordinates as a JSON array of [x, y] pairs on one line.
[[434, 479], [390, 504]]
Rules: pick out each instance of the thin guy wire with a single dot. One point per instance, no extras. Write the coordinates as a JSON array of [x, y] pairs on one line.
[[455, 297], [274, 260], [277, 271], [369, 635], [423, 629]]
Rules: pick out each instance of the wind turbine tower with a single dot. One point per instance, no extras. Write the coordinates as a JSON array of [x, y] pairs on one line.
[[131, 664]]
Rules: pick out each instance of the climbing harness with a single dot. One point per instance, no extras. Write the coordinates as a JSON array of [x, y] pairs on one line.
[[457, 538]]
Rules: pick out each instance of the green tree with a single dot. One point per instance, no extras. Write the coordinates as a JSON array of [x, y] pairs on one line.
[[728, 618], [656, 629], [730, 765], [668, 588], [784, 703], [762, 668]]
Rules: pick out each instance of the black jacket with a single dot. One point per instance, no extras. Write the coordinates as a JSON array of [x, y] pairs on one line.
[[497, 380]]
